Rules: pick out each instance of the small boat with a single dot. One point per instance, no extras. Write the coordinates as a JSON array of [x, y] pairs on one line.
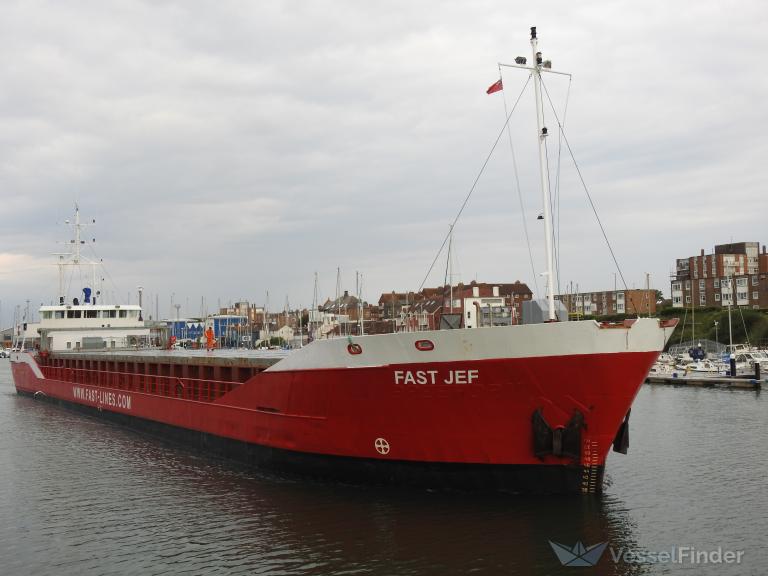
[[703, 367]]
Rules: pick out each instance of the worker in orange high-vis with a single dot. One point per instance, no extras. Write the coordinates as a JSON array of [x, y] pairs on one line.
[[210, 341]]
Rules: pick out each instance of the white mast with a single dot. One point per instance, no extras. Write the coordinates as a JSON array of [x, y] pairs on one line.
[[542, 134], [361, 309], [76, 259], [730, 326], [74, 256], [266, 319], [62, 296], [450, 268]]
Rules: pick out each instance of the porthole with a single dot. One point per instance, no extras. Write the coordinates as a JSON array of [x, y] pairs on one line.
[[424, 345]]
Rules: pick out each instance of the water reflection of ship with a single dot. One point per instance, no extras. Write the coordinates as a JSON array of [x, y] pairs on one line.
[[330, 528]]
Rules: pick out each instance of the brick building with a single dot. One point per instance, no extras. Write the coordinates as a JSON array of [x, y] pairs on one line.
[[349, 307], [472, 305], [735, 274], [608, 302]]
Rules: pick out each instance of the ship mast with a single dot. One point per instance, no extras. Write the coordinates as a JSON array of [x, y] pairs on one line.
[[542, 134], [74, 256], [538, 66]]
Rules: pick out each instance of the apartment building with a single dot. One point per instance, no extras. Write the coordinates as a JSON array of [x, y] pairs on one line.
[[608, 302], [735, 274]]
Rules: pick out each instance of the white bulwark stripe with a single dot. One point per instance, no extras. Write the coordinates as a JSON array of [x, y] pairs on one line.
[[523, 341], [26, 358]]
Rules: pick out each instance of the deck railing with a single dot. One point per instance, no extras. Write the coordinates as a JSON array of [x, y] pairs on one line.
[[170, 386]]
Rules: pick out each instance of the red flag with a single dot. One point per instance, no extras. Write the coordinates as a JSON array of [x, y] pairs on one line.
[[495, 87]]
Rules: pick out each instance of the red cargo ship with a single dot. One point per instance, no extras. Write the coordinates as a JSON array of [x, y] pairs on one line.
[[531, 408], [520, 408]]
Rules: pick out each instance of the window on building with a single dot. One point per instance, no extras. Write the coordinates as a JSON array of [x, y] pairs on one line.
[[702, 299], [741, 295], [687, 299], [687, 284], [676, 300], [717, 297], [755, 295], [754, 281], [741, 282], [676, 286], [717, 283], [701, 285]]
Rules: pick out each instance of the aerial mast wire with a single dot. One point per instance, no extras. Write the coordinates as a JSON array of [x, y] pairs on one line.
[[474, 184]]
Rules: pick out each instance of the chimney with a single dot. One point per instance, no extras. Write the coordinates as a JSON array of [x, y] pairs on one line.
[[702, 251], [763, 248]]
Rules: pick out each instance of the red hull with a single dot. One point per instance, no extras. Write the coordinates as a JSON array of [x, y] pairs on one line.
[[391, 413]]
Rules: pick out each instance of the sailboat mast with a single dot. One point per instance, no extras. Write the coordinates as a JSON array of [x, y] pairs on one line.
[[450, 267], [542, 133]]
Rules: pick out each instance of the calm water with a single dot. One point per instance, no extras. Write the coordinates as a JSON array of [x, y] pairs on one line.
[[79, 496]]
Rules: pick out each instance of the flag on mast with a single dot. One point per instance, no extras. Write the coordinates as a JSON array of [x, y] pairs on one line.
[[495, 87]]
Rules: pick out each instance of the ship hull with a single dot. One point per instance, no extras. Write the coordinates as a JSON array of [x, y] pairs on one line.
[[470, 419], [505, 478]]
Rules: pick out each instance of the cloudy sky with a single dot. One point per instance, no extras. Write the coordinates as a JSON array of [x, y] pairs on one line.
[[226, 149]]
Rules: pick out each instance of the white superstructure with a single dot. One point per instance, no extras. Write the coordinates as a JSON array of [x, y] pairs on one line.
[[86, 324], [83, 326]]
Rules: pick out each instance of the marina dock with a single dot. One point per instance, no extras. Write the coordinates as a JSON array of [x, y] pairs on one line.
[[708, 381]]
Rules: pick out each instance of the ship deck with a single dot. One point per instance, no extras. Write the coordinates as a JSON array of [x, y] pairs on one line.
[[186, 374], [258, 359]]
